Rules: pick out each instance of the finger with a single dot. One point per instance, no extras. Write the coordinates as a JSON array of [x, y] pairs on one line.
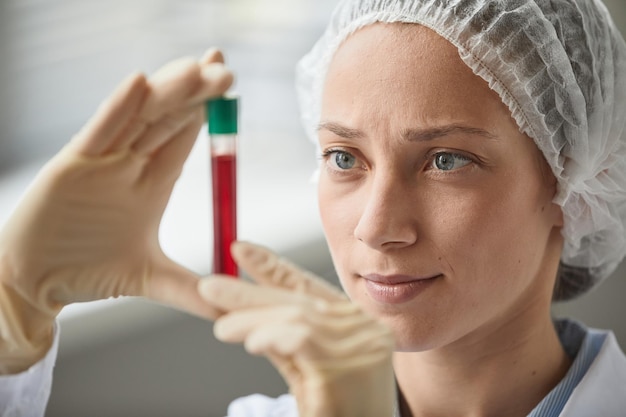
[[281, 338], [112, 117], [167, 162], [331, 335], [183, 82], [295, 350], [227, 294], [178, 287], [212, 55], [235, 326], [156, 134], [267, 268], [335, 322], [218, 78], [174, 91]]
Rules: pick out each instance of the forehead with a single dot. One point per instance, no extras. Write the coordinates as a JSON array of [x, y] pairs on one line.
[[405, 70]]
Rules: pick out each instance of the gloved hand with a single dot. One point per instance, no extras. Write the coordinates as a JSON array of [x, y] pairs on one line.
[[87, 228], [335, 358]]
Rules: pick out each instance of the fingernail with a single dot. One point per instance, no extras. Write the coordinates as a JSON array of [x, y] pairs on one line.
[[214, 72], [219, 331], [251, 253], [208, 288], [209, 53]]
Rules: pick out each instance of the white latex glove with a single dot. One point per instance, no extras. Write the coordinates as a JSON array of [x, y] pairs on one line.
[[335, 358], [87, 228]]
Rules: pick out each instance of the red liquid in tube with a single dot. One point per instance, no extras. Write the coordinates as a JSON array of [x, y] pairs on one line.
[[224, 170], [222, 114]]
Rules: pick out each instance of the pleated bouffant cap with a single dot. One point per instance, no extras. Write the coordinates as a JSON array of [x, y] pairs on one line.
[[560, 67]]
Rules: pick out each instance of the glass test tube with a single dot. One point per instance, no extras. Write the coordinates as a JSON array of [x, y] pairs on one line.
[[222, 121]]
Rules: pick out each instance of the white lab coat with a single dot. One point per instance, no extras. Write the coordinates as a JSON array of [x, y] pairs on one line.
[[602, 391]]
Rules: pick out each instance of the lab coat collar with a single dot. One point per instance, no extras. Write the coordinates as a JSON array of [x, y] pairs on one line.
[[602, 391]]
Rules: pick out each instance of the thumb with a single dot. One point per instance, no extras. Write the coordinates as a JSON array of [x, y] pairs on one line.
[[177, 287]]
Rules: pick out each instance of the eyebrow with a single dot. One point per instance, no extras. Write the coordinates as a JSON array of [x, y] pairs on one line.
[[413, 135]]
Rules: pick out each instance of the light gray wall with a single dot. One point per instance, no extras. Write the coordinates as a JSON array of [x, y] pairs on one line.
[[604, 307], [618, 11]]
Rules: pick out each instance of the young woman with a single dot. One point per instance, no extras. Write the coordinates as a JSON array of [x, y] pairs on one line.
[[472, 170]]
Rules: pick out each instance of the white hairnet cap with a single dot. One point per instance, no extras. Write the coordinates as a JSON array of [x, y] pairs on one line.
[[560, 67]]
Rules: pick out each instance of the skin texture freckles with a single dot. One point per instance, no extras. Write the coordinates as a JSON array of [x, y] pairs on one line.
[[487, 229]]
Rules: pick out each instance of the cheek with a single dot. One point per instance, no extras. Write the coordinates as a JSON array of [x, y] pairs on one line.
[[339, 217], [494, 235], [328, 204]]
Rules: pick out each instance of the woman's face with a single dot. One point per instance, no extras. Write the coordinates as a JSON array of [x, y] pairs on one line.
[[437, 210]]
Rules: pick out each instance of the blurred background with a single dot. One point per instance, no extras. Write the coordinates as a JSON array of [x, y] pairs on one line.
[[58, 59]]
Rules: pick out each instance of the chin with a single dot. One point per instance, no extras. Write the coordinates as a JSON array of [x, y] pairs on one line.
[[411, 334]]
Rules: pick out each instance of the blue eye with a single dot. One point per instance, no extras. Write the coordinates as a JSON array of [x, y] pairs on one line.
[[341, 160], [447, 161]]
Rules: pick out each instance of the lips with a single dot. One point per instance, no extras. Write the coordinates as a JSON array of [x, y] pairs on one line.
[[397, 289]]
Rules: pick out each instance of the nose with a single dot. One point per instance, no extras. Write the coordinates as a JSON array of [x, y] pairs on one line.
[[387, 220]]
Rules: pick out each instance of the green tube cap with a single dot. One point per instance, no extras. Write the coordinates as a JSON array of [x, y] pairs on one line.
[[221, 114]]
